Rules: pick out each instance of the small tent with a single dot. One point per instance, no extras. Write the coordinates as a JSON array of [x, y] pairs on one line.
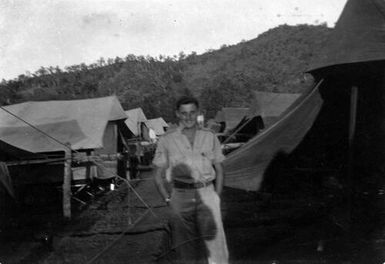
[[158, 125], [135, 119]]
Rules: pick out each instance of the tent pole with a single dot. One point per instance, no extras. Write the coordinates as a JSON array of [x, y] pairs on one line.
[[352, 130], [67, 183], [353, 114]]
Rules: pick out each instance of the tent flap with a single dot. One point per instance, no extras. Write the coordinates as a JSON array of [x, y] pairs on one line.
[[245, 167]]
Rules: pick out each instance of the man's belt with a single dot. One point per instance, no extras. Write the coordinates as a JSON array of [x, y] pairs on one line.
[[193, 185]]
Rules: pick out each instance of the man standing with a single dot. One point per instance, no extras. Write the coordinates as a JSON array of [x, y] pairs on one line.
[[191, 158]]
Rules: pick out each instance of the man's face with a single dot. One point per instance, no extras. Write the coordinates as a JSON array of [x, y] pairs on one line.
[[187, 114]]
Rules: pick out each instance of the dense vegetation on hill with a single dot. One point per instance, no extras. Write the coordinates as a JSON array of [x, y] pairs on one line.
[[274, 61]]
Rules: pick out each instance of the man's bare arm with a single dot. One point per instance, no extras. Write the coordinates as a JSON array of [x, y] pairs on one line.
[[160, 183], [219, 178]]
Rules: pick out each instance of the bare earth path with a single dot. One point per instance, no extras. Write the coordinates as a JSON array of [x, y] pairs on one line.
[[260, 229]]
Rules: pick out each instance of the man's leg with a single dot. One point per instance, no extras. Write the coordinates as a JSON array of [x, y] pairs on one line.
[[211, 226], [187, 242]]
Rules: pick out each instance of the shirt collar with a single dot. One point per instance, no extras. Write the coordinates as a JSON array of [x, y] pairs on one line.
[[180, 127]]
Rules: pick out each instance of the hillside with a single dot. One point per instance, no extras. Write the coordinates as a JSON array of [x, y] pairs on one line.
[[274, 61]]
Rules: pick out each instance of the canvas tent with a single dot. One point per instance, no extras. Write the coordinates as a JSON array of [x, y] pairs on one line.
[[158, 125], [352, 65], [358, 37], [39, 130], [231, 116], [81, 123], [41, 139], [135, 119], [263, 112], [245, 167]]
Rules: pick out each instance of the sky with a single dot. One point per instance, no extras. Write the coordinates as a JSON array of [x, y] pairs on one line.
[[64, 33]]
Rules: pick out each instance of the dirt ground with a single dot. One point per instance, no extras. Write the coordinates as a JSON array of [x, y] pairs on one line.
[[131, 226]]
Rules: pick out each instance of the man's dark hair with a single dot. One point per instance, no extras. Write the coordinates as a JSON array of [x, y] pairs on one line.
[[186, 100]]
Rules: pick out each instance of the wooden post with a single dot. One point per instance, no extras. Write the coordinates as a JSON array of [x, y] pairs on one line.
[[88, 168], [128, 203], [67, 183], [93, 169]]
